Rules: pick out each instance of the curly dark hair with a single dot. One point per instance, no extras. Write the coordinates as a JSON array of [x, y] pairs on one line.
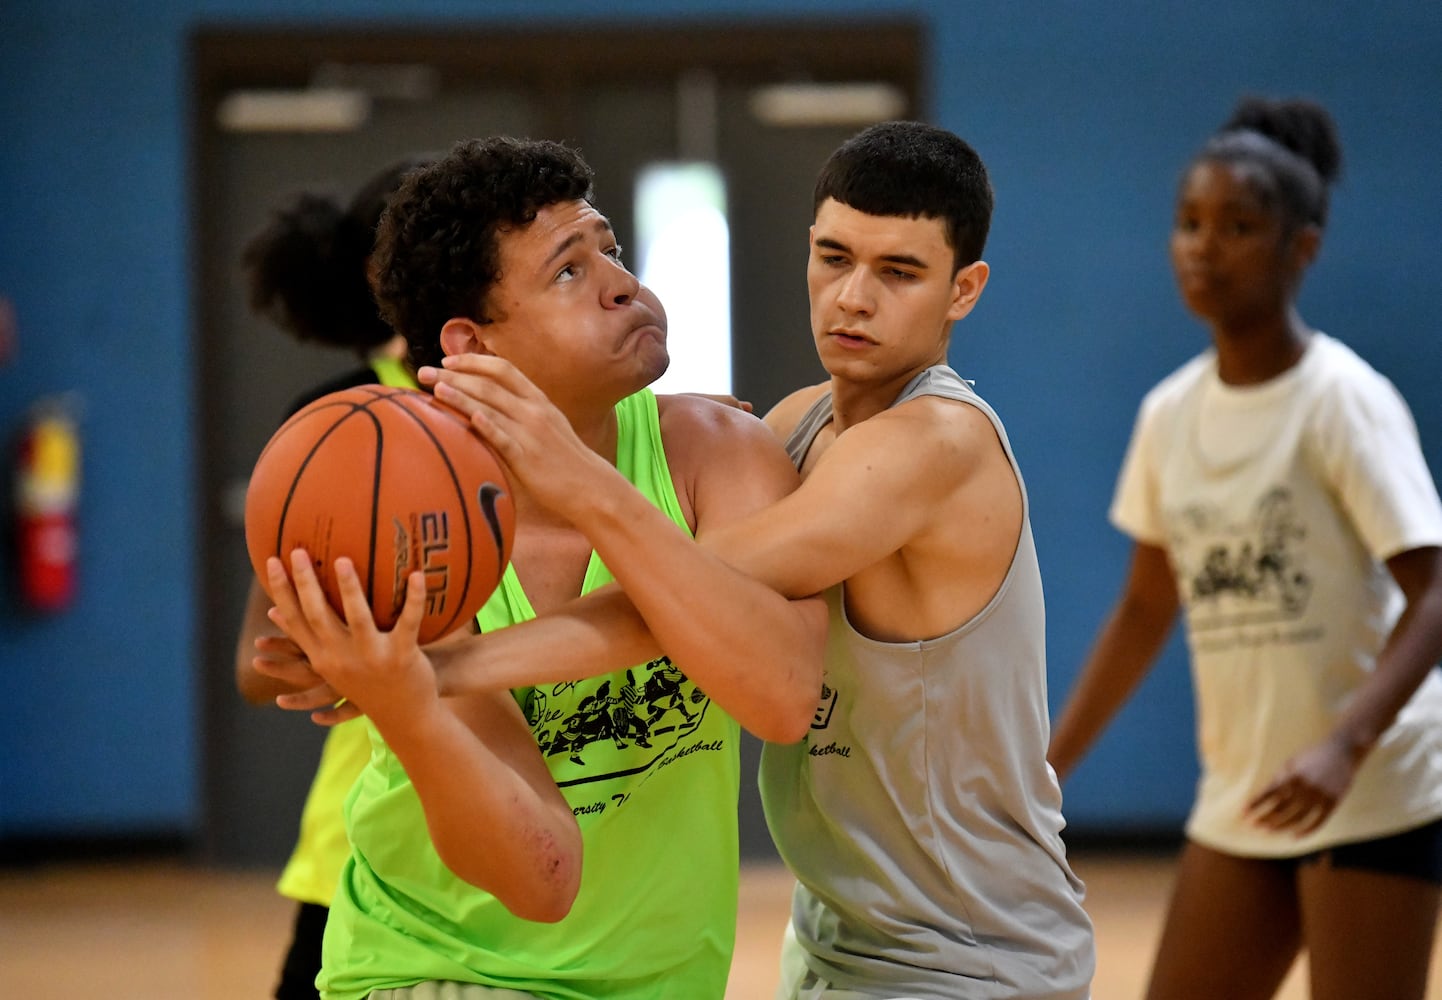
[[436, 254], [1294, 143], [915, 170], [306, 270]]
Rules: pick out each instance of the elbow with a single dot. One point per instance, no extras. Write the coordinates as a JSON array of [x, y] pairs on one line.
[[551, 891], [788, 731], [540, 887], [793, 723], [803, 688], [792, 715], [544, 907]]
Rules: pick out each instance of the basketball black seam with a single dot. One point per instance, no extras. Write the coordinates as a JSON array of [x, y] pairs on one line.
[[299, 472], [465, 504]]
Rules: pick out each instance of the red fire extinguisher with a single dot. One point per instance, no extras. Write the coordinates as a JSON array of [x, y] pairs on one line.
[[47, 493]]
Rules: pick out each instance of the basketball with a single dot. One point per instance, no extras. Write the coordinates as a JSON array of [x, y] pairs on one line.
[[396, 482]]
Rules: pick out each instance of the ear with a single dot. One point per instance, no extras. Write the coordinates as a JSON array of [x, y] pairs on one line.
[[463, 336], [1306, 244], [966, 288]]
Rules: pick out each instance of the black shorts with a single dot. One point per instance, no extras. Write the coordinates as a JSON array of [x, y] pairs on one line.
[[1414, 853], [302, 961]]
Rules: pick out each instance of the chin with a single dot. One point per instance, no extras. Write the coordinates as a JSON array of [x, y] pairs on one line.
[[658, 361]]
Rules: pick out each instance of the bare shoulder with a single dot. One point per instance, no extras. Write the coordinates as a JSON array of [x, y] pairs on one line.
[[942, 431], [785, 415], [717, 451], [687, 416], [699, 430]]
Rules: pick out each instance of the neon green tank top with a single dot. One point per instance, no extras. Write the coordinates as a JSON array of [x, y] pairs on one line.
[[651, 769], [311, 874]]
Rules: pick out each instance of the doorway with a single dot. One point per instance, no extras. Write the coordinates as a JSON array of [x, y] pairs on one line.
[[626, 98]]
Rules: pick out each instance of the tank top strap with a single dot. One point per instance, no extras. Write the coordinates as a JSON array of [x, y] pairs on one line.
[[393, 372], [817, 416]]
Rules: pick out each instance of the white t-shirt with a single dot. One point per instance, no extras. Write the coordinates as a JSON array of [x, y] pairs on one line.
[[1277, 505]]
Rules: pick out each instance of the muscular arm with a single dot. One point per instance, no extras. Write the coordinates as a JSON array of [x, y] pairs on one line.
[[1124, 650], [877, 489], [880, 486], [753, 651]]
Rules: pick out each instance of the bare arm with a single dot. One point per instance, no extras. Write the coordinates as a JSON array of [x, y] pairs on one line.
[[1310, 785], [492, 809], [255, 687], [1124, 650], [871, 495], [753, 651], [1412, 650], [888, 482]]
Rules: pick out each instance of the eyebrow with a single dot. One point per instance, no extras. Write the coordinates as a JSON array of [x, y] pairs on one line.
[[891, 258], [602, 225]]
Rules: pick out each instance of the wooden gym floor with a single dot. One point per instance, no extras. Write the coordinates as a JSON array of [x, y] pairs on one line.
[[167, 930]]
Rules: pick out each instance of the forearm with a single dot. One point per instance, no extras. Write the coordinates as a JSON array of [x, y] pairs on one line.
[[1411, 651], [1123, 652], [749, 649], [595, 634], [500, 827], [754, 652]]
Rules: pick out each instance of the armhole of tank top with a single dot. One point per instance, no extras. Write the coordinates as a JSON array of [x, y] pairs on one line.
[[649, 414]]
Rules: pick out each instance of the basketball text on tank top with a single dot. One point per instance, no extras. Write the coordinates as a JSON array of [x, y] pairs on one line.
[[919, 814], [651, 770]]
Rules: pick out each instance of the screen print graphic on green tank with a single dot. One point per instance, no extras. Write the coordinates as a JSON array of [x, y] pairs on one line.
[[651, 707]]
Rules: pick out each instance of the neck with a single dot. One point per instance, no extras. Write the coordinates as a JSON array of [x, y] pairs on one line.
[[1252, 353], [853, 401]]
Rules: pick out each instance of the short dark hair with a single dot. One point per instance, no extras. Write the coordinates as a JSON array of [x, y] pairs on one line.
[[1293, 141], [916, 170], [436, 253]]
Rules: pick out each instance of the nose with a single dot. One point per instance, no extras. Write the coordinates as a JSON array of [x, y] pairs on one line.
[[623, 285], [855, 293]]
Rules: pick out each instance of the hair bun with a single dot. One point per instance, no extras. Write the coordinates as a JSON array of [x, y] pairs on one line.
[[1301, 125]]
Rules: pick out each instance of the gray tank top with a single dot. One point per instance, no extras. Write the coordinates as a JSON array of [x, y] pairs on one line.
[[919, 815]]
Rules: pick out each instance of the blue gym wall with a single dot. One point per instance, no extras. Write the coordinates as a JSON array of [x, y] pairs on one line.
[[1085, 113]]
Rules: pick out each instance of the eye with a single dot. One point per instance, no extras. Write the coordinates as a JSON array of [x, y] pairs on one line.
[[898, 274], [567, 273], [614, 253]]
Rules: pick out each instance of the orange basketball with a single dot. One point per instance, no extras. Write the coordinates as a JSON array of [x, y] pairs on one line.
[[398, 483]]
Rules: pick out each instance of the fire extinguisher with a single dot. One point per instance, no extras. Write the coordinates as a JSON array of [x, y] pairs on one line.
[[47, 493]]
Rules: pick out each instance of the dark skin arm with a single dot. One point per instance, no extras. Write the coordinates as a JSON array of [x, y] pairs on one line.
[[1123, 652]]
